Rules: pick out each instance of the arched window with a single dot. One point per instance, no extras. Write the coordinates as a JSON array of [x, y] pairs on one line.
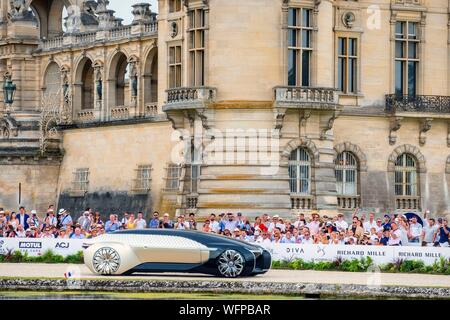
[[87, 90], [405, 176], [52, 79], [346, 172], [300, 171]]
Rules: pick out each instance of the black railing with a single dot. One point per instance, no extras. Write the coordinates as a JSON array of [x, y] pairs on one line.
[[436, 104]]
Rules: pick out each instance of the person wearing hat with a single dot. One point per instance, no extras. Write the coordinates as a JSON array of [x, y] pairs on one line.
[[23, 218], [341, 224], [314, 225], [65, 218], [276, 223]]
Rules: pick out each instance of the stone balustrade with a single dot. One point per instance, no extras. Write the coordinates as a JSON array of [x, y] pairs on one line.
[[151, 109], [86, 116], [191, 94], [407, 203], [348, 202], [302, 202], [306, 96], [120, 112], [89, 38]]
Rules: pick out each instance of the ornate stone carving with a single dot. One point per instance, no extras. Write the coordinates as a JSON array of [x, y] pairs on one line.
[[348, 19], [328, 125], [425, 126], [141, 13], [395, 125], [20, 10], [73, 19], [8, 127], [98, 73], [279, 114], [173, 29], [304, 116]]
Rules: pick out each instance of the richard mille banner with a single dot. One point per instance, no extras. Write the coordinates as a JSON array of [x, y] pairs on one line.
[[307, 252], [379, 254]]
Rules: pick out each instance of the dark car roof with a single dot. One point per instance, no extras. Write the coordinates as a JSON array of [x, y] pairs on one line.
[[199, 236]]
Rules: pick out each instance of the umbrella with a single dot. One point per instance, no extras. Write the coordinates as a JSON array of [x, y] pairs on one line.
[[410, 215]]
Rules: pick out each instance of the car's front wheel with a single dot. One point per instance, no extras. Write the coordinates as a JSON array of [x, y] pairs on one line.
[[106, 261], [231, 264]]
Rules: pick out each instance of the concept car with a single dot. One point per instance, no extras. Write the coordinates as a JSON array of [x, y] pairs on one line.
[[165, 250]]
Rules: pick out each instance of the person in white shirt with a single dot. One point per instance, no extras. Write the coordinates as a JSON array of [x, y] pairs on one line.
[[415, 230], [371, 223], [379, 225], [341, 224], [395, 235], [181, 224], [300, 222], [266, 239], [140, 222], [276, 224], [214, 224], [428, 231], [306, 238], [314, 225]]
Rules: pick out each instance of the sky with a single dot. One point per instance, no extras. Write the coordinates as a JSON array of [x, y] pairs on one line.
[[123, 8]]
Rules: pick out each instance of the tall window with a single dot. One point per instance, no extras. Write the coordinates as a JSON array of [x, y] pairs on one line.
[[300, 171], [81, 179], [405, 176], [175, 67], [299, 46], [197, 25], [143, 178], [195, 163], [173, 176], [406, 57], [174, 5], [347, 64], [346, 174]]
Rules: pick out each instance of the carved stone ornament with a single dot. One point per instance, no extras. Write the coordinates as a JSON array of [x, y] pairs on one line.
[[20, 10], [348, 19], [395, 125], [173, 29], [425, 126]]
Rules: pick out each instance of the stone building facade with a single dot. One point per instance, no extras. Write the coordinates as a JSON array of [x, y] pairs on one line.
[[257, 106]]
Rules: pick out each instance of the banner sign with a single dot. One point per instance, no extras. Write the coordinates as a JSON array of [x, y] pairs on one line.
[[280, 251], [36, 247], [379, 254]]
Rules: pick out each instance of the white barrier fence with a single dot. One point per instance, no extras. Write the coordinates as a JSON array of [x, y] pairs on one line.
[[379, 254], [306, 252]]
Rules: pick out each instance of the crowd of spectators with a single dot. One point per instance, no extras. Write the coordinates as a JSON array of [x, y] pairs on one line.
[[391, 230]]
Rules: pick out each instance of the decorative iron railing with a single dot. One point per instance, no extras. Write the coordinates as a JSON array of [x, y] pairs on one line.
[[191, 94], [191, 202], [418, 103]]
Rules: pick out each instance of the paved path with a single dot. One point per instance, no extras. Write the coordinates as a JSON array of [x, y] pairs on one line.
[[279, 276]]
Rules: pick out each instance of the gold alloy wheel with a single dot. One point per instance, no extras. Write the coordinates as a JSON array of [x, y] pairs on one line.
[[106, 260]]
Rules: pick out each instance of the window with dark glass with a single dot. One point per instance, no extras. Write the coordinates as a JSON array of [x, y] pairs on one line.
[[197, 26], [405, 176], [175, 66], [347, 64], [174, 5], [346, 174], [406, 57], [299, 46], [300, 172]]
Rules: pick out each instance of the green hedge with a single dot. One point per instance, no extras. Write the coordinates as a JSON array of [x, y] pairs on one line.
[[47, 257], [441, 266]]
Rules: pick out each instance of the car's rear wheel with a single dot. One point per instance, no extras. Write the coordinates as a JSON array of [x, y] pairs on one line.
[[106, 260], [231, 264]]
